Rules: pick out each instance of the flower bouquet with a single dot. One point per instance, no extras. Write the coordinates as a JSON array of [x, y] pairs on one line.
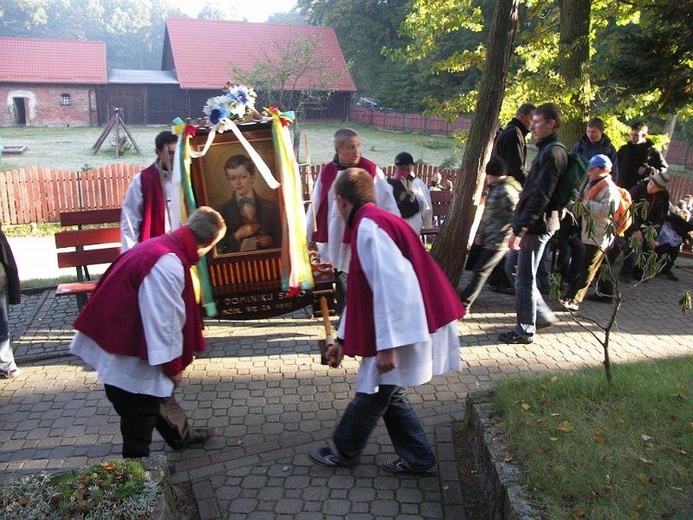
[[237, 104]]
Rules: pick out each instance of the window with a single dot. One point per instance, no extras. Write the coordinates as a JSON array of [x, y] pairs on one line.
[[65, 100]]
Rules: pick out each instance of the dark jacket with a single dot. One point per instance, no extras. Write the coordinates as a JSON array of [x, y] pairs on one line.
[[14, 295], [657, 207], [510, 145], [533, 214], [631, 157], [267, 215], [587, 149], [494, 227]]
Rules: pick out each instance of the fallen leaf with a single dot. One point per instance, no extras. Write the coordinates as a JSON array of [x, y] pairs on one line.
[[540, 422], [559, 468], [555, 414], [579, 512], [644, 459], [554, 379], [553, 439], [646, 438], [683, 452], [526, 406], [642, 477], [565, 427], [508, 457], [639, 507]]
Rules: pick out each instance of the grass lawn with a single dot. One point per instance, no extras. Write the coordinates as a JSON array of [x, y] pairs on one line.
[[590, 450], [70, 148]]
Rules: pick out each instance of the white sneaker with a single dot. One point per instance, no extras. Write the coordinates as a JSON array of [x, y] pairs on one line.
[[570, 305]]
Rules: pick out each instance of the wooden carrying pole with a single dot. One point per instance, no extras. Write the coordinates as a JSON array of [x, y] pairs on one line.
[[329, 340]]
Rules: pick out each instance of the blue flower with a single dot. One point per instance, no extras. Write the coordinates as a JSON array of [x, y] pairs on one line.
[[215, 116]]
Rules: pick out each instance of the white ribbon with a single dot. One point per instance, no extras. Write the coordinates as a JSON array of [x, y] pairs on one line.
[[227, 124]]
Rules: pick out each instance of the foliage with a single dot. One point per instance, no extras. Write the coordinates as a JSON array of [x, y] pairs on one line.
[[283, 66], [592, 450], [114, 489], [431, 27]]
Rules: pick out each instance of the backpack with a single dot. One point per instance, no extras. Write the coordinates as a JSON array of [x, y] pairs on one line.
[[572, 181], [622, 214], [406, 199]]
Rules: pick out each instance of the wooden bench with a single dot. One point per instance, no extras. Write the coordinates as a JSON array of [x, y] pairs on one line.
[[440, 200], [86, 246]]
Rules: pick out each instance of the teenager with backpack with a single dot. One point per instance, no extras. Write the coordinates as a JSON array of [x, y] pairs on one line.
[[411, 194], [536, 219], [599, 196]]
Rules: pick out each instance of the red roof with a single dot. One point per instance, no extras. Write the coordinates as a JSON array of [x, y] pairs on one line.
[[52, 61], [203, 51]]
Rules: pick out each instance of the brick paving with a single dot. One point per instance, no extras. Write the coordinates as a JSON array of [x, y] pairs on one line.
[[261, 385]]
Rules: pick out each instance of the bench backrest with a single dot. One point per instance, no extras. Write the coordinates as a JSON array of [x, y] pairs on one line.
[[91, 246], [441, 200]]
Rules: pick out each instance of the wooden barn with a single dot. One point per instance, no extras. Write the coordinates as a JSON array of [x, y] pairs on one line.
[[203, 54]]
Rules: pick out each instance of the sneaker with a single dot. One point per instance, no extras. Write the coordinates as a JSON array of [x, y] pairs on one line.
[[402, 466], [326, 457], [513, 338], [570, 305], [9, 374]]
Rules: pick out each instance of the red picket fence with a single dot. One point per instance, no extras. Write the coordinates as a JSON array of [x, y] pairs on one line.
[[392, 120], [37, 194]]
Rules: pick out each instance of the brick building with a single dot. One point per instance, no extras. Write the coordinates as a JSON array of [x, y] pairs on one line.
[[50, 82]]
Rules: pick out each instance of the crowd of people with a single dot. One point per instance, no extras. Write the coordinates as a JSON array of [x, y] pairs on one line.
[[398, 312]]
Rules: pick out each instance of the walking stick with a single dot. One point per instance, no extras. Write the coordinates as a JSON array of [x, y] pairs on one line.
[[329, 340]]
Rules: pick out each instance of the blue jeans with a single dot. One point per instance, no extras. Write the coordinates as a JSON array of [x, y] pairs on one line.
[[405, 429], [531, 307], [7, 363]]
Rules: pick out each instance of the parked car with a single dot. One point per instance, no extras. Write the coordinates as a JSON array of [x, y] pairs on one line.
[[367, 102]]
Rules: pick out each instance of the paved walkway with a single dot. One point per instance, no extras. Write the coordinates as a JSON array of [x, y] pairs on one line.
[[261, 385]]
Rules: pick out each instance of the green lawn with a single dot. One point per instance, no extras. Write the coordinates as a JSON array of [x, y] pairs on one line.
[[592, 450], [70, 148]]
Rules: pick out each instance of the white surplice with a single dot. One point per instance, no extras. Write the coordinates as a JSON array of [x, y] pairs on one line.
[[335, 250], [400, 317]]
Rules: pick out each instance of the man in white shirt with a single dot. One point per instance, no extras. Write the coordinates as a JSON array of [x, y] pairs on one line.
[[142, 327], [400, 318], [152, 204]]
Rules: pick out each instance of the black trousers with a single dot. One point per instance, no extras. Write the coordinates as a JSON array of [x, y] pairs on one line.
[[140, 414]]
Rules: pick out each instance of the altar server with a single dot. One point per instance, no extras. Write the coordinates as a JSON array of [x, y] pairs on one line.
[[400, 318]]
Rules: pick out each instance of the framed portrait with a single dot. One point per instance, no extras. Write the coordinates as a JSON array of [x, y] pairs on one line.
[[226, 179], [245, 267]]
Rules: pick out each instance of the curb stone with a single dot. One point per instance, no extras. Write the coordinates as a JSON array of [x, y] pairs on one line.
[[500, 484]]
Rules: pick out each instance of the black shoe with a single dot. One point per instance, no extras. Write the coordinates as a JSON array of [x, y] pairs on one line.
[[202, 436], [669, 275], [513, 338]]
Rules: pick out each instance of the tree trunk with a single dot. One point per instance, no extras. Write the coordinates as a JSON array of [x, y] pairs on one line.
[[450, 246], [573, 57], [669, 127]]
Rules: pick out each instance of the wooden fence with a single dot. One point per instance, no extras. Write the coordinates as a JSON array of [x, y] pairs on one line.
[[37, 194], [392, 120]]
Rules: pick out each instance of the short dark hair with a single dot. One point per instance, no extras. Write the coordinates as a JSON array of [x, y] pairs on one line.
[[639, 125], [240, 160], [597, 123], [496, 166], [550, 111], [207, 225], [356, 186], [164, 138], [343, 134], [403, 159], [525, 109]]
